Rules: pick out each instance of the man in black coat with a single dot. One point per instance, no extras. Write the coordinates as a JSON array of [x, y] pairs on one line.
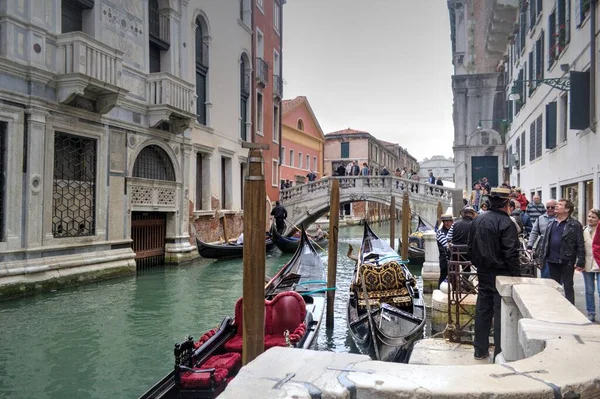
[[563, 247], [280, 214], [494, 250], [341, 170]]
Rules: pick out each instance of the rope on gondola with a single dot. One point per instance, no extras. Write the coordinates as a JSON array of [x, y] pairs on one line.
[[448, 329], [317, 291], [313, 282]]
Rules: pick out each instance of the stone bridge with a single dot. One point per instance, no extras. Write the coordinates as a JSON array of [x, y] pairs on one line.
[[305, 203]]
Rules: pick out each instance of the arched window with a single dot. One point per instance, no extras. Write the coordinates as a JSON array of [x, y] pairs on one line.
[[201, 69], [153, 163], [300, 124], [244, 93]]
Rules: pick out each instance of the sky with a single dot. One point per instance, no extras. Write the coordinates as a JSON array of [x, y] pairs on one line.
[[381, 66]]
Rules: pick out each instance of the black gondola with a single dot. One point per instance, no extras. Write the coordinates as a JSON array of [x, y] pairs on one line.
[[226, 250], [204, 368], [386, 314], [289, 245]]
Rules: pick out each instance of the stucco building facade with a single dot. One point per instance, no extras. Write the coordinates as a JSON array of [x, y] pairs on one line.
[[111, 124], [302, 142]]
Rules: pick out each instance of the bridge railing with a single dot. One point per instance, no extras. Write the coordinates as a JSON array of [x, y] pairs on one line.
[[365, 184]]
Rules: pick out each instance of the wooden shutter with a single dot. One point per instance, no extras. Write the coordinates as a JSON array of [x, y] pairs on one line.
[[538, 137], [579, 108], [551, 125], [532, 142], [523, 149]]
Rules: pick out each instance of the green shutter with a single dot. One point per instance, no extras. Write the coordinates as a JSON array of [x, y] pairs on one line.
[[579, 110], [551, 125]]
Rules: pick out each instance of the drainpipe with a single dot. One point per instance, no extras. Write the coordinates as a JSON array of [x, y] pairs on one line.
[[593, 66], [253, 78]]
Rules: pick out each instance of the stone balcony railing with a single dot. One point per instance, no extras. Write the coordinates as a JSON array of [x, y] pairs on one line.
[[152, 195], [170, 99], [87, 67]]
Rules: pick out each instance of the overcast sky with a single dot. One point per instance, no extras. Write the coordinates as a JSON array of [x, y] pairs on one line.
[[381, 66]]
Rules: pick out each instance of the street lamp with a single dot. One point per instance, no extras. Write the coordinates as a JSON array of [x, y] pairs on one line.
[[563, 84], [504, 122]]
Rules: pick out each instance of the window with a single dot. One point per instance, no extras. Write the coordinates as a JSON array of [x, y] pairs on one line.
[[583, 6], [275, 173], [244, 94], [199, 159], [523, 28], [158, 26], [522, 149], [532, 142], [260, 4], [260, 44], [562, 114], [571, 192], [276, 16], [259, 113], [275, 123], [72, 14], [517, 148], [282, 155], [201, 70], [345, 150], [535, 9], [74, 186], [242, 181], [291, 158], [315, 166], [520, 85], [307, 162], [226, 183], [300, 160], [538, 137], [551, 122], [553, 193], [559, 27], [300, 124], [153, 163]]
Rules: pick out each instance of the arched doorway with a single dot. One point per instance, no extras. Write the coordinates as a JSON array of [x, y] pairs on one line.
[[154, 173]]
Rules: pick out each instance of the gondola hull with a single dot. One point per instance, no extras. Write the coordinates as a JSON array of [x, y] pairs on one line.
[[226, 251], [304, 269], [379, 329], [289, 245]]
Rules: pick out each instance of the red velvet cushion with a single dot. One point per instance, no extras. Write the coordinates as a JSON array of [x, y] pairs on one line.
[[234, 344], [223, 364], [288, 311]]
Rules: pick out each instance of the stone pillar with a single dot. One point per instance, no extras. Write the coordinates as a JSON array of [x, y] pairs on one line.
[[431, 266], [34, 181]]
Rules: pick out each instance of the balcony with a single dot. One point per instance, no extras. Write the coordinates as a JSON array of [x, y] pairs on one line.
[[262, 71], [277, 87], [88, 69], [153, 195], [159, 28], [170, 100]]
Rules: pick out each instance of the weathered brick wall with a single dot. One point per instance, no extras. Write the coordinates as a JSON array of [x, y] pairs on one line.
[[209, 228]]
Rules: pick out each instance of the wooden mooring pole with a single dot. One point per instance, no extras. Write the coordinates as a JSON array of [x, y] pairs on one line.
[[392, 221], [334, 218], [405, 225], [253, 327]]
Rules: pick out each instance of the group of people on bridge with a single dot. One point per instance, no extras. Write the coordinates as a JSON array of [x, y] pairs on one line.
[[498, 226]]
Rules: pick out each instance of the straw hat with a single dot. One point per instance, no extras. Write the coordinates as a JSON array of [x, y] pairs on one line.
[[500, 192], [446, 218]]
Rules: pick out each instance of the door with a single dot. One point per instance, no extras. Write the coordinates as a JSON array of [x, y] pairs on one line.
[[148, 231], [486, 166]]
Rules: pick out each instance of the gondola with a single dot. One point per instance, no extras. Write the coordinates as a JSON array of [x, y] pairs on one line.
[[289, 245], [226, 250], [386, 313], [416, 244], [203, 368]]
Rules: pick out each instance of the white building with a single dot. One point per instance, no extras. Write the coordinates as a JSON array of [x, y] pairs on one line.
[[440, 166], [116, 120], [552, 142]]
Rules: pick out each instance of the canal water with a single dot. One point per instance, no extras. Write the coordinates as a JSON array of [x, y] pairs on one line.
[[115, 338]]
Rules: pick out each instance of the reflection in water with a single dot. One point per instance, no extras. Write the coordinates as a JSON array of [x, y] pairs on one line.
[[115, 338]]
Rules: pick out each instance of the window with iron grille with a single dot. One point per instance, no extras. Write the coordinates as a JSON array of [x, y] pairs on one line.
[[2, 177], [153, 163], [74, 186]]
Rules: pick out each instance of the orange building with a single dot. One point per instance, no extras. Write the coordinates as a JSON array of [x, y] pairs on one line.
[[302, 142], [267, 19]]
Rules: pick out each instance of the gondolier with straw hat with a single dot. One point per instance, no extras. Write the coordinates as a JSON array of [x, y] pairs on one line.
[[494, 250], [441, 237]]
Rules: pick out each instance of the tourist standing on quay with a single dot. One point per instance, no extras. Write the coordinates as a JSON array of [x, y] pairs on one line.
[[279, 214], [475, 196], [563, 247], [535, 209], [536, 237], [591, 274], [442, 242], [494, 249]]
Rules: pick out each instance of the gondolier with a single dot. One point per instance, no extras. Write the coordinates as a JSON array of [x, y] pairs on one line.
[[280, 214], [442, 242]]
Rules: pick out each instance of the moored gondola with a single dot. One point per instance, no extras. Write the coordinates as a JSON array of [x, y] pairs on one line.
[[294, 306], [386, 313], [290, 244], [226, 250]]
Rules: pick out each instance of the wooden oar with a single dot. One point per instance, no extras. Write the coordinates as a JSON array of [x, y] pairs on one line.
[[312, 240]]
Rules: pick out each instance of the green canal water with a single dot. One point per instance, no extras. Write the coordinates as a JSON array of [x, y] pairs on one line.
[[114, 339]]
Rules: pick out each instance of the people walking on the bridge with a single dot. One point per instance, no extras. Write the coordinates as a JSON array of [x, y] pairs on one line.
[[355, 169], [431, 178], [341, 170], [535, 209], [398, 174], [563, 247], [494, 249], [441, 237], [311, 176], [279, 214], [591, 273], [536, 237], [439, 182]]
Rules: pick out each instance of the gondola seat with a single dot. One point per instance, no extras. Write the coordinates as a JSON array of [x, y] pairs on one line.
[[385, 284], [285, 312], [225, 365]]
